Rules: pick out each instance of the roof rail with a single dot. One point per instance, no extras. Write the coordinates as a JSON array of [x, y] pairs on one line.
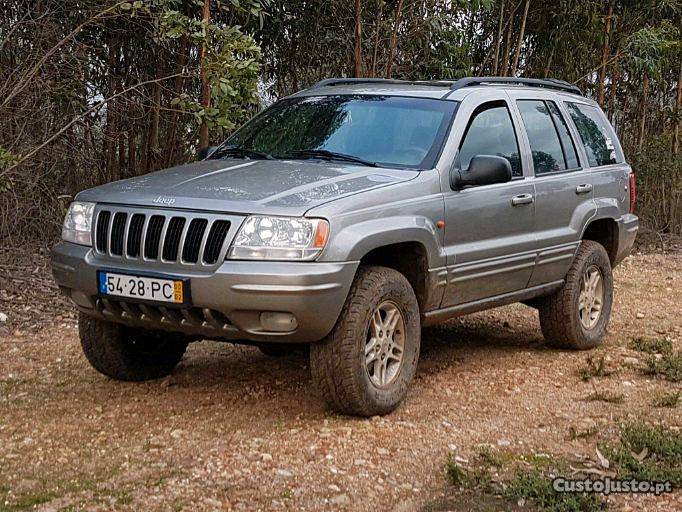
[[549, 83], [351, 81]]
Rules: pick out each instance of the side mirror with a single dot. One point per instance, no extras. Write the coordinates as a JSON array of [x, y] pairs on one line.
[[204, 152], [483, 170]]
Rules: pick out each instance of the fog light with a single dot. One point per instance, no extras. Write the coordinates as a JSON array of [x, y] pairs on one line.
[[278, 322]]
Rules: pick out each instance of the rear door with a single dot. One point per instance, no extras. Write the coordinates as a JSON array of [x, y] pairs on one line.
[[489, 236], [564, 187], [610, 173]]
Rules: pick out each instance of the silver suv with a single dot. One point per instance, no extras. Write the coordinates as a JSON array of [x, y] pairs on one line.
[[349, 215]]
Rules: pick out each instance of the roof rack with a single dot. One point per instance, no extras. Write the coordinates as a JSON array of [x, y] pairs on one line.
[[548, 83], [352, 81]]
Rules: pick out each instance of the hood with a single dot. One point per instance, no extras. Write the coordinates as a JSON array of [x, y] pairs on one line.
[[278, 187]]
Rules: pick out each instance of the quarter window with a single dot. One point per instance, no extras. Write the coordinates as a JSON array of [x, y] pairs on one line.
[[596, 134], [550, 142], [491, 132]]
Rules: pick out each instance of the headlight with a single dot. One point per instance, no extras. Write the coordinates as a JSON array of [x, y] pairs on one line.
[[279, 238], [78, 223]]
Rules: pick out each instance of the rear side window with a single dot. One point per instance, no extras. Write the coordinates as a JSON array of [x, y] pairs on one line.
[[545, 146], [596, 134], [491, 132], [567, 143]]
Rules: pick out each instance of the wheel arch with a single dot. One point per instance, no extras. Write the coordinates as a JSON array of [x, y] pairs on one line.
[[604, 231], [410, 259]]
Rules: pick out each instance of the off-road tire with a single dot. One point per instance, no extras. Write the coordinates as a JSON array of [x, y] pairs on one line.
[[337, 363], [559, 316], [129, 354]]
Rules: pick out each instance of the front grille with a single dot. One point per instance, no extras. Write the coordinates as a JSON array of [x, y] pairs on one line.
[[102, 231], [135, 235], [153, 239], [214, 243], [118, 228], [174, 237], [190, 252], [172, 241]]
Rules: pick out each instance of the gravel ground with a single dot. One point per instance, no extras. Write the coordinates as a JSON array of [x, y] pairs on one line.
[[234, 430]]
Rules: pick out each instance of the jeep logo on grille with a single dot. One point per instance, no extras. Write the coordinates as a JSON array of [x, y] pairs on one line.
[[168, 201]]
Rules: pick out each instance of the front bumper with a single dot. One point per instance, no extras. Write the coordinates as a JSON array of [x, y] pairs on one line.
[[628, 226], [226, 303]]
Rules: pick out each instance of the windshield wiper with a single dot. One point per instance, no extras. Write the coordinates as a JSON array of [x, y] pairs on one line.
[[239, 151], [329, 155]]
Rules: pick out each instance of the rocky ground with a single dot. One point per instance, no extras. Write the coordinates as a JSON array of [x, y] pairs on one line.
[[232, 429]]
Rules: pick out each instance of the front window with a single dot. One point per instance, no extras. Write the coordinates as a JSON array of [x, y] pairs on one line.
[[389, 131], [491, 132]]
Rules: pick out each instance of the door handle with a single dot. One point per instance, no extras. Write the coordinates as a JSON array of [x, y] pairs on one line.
[[522, 199], [583, 189]]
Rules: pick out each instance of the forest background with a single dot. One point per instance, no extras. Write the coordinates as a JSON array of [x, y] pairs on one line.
[[93, 91]]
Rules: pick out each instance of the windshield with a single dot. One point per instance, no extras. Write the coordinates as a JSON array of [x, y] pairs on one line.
[[390, 131]]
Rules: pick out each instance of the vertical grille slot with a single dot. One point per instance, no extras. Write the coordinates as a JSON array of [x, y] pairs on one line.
[[172, 241], [153, 238], [135, 235], [214, 242], [102, 230], [195, 232], [118, 227]]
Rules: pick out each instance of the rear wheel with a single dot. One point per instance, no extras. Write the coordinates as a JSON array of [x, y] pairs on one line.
[[364, 366], [130, 354], [577, 315]]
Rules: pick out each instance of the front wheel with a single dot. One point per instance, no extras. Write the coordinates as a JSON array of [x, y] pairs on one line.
[[126, 353], [577, 315], [364, 366]]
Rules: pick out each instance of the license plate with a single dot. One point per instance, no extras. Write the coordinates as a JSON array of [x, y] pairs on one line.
[[142, 288]]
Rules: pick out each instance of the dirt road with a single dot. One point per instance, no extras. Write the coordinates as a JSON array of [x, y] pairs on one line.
[[233, 429]]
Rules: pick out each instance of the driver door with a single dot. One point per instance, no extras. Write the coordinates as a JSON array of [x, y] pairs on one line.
[[489, 233]]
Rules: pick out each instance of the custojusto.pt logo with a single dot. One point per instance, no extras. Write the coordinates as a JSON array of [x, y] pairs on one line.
[[609, 485]]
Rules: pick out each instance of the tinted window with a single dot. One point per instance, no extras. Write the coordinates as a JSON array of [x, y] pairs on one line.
[[390, 130], [491, 132], [545, 146], [566, 140], [596, 134]]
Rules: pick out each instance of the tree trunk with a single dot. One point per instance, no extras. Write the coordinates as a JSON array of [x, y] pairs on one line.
[[613, 88], [498, 40], [548, 66], [109, 128], [144, 144], [357, 61], [205, 86], [504, 65], [170, 145], [642, 111], [520, 41], [376, 39], [394, 37], [121, 151], [605, 54], [132, 152], [678, 113], [156, 117]]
